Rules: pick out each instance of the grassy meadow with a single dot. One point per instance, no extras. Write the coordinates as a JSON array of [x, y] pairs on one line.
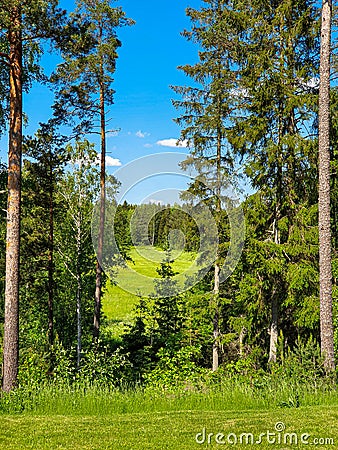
[[146, 421], [118, 303]]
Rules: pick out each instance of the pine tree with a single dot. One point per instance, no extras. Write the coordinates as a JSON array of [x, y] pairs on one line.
[[325, 270], [22, 27], [11, 330], [85, 89]]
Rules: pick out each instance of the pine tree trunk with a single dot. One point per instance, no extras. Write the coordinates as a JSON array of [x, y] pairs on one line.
[[98, 285], [11, 327], [325, 271]]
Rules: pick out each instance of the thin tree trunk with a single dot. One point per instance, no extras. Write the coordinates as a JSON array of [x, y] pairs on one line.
[[50, 258], [79, 328], [215, 344], [11, 326], [99, 271], [325, 271], [274, 309], [78, 293], [242, 335], [216, 331], [273, 329]]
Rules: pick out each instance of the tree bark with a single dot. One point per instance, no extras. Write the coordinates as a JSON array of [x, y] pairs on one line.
[[215, 343], [273, 329], [216, 330], [99, 271], [274, 304], [51, 256], [325, 270], [11, 326], [79, 289]]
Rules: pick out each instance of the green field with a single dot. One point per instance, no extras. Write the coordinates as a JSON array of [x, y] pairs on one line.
[[118, 303], [172, 429]]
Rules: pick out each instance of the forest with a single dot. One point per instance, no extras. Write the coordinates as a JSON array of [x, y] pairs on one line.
[[259, 308]]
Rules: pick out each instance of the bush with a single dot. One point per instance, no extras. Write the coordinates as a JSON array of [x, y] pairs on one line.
[[176, 370]]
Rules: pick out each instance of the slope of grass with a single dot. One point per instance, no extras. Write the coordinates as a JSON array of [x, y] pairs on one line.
[[118, 303]]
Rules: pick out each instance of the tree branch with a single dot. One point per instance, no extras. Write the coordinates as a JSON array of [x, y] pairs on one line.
[[4, 58]]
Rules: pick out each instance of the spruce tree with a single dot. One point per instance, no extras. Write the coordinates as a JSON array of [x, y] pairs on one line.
[[278, 65], [42, 170], [207, 108]]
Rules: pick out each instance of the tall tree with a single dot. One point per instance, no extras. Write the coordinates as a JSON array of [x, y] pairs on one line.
[[85, 80], [22, 26], [278, 64], [77, 191], [3, 212], [207, 107], [325, 270], [42, 172], [11, 329]]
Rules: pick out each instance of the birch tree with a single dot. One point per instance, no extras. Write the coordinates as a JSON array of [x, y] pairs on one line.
[[77, 191]]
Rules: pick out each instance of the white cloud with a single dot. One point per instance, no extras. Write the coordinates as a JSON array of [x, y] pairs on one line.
[[172, 142], [141, 134], [239, 93], [148, 145], [311, 84], [113, 162], [110, 162]]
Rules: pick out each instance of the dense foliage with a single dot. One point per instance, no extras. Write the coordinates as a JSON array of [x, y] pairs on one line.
[[251, 111]]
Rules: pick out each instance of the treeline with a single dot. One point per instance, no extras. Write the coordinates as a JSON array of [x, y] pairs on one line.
[[152, 224], [255, 107]]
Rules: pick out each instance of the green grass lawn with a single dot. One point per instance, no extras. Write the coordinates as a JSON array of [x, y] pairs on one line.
[[118, 303], [175, 430], [64, 418]]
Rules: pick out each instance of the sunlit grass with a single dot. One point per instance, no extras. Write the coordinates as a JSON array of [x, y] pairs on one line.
[[118, 303], [94, 419]]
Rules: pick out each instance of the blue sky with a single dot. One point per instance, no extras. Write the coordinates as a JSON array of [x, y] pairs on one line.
[[147, 64]]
